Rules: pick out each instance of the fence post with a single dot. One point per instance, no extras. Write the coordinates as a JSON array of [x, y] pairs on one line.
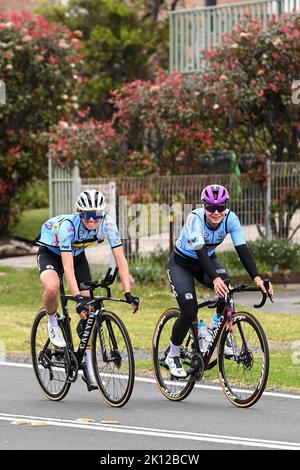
[[171, 236], [268, 229], [76, 181], [50, 178], [113, 213], [2, 93]]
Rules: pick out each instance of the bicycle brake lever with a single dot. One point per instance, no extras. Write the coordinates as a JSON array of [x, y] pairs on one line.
[[267, 287]]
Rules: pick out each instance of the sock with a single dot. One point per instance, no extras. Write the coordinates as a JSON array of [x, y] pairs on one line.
[[88, 360], [174, 350], [52, 319]]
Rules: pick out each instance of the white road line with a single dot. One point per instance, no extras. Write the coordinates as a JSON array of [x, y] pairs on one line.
[[185, 435], [153, 381]]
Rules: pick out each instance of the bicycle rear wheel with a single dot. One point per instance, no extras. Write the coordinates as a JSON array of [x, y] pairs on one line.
[[113, 360], [172, 388], [49, 362], [244, 379]]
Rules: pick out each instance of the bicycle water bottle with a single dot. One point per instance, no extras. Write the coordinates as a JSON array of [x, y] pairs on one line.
[[214, 324], [203, 336]]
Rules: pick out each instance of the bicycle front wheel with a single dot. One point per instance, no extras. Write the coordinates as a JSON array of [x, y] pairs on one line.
[[244, 377], [113, 360], [49, 363], [172, 388]]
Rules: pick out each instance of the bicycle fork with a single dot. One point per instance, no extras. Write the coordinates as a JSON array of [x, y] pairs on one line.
[[112, 355]]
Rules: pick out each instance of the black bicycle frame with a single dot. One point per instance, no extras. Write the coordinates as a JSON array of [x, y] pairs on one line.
[[95, 315]]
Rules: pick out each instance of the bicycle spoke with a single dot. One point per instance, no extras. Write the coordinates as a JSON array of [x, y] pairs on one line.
[[115, 375], [244, 377], [172, 388], [49, 363]]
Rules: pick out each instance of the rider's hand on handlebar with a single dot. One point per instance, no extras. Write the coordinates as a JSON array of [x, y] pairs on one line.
[[82, 307], [220, 287], [260, 283], [134, 301]]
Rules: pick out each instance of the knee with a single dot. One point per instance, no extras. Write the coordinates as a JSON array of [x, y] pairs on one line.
[[51, 291], [189, 309]]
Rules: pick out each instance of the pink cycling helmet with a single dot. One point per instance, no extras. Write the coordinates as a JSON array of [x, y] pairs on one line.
[[214, 194]]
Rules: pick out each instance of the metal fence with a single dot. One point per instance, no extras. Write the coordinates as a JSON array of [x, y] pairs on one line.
[[195, 30], [142, 206]]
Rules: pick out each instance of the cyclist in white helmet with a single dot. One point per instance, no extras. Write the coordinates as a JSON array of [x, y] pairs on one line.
[[63, 240]]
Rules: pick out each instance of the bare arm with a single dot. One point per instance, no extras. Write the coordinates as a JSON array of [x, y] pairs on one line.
[[68, 264], [123, 267]]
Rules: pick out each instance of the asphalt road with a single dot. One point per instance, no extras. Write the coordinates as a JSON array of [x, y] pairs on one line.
[[205, 420]]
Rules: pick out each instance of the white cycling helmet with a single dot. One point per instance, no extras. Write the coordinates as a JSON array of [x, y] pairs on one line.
[[91, 200]]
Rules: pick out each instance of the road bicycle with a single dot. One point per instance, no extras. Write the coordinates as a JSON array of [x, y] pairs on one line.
[[243, 374], [111, 350]]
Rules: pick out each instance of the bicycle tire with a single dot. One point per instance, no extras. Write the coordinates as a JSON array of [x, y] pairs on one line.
[[52, 380], [250, 373], [115, 384], [173, 389]]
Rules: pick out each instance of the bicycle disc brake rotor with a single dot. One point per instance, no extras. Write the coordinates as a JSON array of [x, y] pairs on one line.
[[246, 358], [116, 357]]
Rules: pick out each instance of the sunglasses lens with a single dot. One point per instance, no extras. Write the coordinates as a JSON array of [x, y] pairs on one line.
[[91, 215], [213, 208]]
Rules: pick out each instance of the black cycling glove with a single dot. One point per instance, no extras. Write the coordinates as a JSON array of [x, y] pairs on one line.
[[131, 299], [82, 303]]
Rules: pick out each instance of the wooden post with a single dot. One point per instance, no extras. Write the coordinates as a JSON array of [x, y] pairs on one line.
[[171, 225]]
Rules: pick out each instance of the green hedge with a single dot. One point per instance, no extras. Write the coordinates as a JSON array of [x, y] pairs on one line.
[[275, 256]]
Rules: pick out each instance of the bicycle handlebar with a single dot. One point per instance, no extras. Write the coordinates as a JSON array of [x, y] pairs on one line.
[[212, 303], [105, 283]]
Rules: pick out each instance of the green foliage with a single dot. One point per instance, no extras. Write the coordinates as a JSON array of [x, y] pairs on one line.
[[34, 196], [249, 87], [277, 255], [271, 256], [37, 63], [119, 46], [25, 219], [152, 269], [28, 224]]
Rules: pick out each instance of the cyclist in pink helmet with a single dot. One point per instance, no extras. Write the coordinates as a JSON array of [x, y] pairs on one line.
[[214, 194], [194, 258]]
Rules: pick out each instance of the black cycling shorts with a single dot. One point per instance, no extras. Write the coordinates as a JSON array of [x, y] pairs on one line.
[[182, 273], [48, 260]]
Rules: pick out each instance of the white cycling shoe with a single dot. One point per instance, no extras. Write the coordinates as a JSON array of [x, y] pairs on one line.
[[56, 337], [175, 367]]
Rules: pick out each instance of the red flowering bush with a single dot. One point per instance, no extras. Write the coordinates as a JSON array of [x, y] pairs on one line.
[[38, 63], [155, 129], [249, 88], [163, 118], [95, 145]]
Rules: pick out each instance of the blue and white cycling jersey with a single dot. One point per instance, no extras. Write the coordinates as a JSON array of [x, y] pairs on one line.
[[196, 233], [67, 233]]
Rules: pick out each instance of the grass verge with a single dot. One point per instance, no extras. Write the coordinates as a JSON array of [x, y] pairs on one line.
[[21, 297], [30, 223]]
